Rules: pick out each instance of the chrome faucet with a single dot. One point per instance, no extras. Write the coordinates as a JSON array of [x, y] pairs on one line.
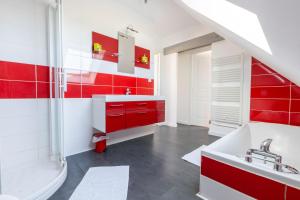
[[265, 145], [128, 92], [265, 152]]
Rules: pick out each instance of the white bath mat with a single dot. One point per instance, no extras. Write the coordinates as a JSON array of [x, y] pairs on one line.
[[194, 156], [103, 183]]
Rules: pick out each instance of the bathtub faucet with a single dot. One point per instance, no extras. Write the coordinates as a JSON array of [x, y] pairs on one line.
[[265, 152], [265, 145]]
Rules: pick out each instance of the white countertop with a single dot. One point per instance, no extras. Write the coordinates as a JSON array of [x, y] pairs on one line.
[[117, 98]]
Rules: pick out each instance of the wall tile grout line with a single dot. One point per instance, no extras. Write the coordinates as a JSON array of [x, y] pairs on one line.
[[271, 100]]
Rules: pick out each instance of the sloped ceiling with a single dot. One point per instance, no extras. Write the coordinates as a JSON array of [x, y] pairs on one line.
[[280, 23]]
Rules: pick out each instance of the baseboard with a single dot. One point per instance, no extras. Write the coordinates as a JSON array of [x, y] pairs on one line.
[[172, 124], [184, 123]]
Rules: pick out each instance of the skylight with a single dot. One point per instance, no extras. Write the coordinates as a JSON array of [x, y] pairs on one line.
[[234, 18]]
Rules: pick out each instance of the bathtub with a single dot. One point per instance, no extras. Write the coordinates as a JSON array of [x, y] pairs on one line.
[[226, 175]]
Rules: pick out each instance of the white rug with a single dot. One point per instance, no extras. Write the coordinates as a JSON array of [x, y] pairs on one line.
[[194, 156], [103, 183]]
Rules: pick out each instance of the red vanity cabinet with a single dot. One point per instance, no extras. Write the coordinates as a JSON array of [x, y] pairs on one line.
[[160, 109], [123, 115], [115, 116]]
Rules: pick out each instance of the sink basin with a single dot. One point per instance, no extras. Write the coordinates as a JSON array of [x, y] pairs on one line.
[[117, 98]]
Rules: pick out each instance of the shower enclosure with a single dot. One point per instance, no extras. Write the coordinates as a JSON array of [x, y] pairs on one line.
[[33, 164]]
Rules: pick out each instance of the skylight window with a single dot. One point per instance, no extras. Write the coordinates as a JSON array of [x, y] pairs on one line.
[[234, 18]]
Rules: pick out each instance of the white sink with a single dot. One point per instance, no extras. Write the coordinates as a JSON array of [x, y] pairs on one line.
[[117, 98]]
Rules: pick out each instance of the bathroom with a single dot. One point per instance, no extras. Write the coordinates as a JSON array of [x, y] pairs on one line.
[[149, 99]]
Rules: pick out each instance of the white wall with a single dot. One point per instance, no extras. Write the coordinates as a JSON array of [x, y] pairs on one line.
[[185, 34], [24, 134], [168, 86], [23, 31], [106, 17]]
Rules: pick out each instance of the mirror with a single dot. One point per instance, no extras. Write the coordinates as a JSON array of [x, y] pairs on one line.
[[126, 53]]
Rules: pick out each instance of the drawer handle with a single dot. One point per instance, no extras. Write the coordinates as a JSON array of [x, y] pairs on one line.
[[115, 115], [116, 105]]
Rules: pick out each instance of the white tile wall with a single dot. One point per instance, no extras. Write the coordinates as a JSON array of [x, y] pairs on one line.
[[24, 133]]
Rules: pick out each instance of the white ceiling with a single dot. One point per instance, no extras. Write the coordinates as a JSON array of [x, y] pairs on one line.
[[164, 17], [279, 21]]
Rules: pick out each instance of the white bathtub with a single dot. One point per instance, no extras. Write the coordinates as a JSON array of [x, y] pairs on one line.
[[226, 175]]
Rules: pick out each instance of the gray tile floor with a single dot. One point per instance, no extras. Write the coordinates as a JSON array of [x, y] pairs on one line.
[[157, 171]]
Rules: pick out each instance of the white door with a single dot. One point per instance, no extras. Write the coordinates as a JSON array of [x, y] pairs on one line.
[[200, 89], [184, 87]]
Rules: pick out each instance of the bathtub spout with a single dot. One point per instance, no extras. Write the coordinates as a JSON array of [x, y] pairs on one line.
[[265, 145]]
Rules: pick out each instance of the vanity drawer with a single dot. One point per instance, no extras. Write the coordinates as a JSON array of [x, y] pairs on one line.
[[140, 105], [140, 118], [115, 120], [115, 106]]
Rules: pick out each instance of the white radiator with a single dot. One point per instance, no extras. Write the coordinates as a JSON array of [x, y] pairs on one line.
[[227, 79]]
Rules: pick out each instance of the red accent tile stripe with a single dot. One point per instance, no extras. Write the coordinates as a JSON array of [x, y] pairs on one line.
[[17, 71], [273, 97], [145, 91], [145, 83], [248, 183], [124, 81], [269, 80], [20, 90], [18, 80], [295, 119], [295, 92], [89, 90], [73, 91], [42, 73], [43, 90], [270, 116], [271, 92], [270, 104]]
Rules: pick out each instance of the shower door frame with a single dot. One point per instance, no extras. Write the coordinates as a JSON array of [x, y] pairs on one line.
[[56, 108]]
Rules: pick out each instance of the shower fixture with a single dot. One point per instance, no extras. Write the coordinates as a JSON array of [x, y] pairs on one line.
[[130, 28]]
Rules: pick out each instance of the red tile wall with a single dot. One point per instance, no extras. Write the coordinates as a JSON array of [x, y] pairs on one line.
[[100, 83], [110, 45], [273, 97], [18, 80]]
